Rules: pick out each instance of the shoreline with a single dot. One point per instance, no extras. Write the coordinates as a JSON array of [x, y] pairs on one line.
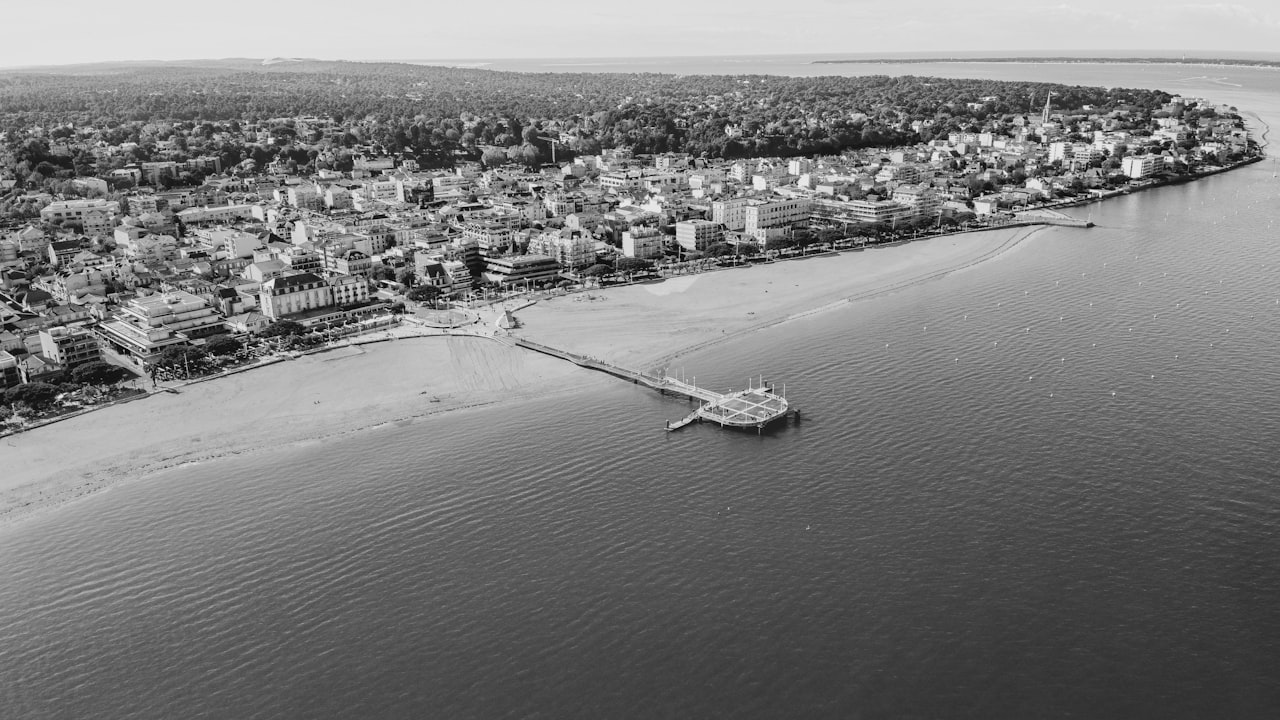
[[642, 326], [309, 399], [285, 404], [645, 326]]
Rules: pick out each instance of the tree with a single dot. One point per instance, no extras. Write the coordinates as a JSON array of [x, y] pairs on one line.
[[282, 327], [494, 157], [633, 265], [424, 293], [405, 276], [36, 395], [96, 373], [222, 345], [181, 357], [598, 270]]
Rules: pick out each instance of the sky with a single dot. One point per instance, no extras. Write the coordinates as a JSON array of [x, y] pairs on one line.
[[77, 31]]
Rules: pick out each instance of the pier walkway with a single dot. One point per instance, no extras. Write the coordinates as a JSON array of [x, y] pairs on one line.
[[663, 384]]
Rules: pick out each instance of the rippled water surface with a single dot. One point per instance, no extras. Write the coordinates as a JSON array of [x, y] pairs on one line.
[[1044, 486]]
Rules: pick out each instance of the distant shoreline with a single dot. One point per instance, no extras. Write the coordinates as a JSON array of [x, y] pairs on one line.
[[1191, 62]]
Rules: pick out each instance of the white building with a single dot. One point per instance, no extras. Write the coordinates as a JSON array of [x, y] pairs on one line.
[[573, 250], [776, 214], [98, 217], [1138, 167], [144, 326], [293, 294], [642, 242], [731, 213], [697, 235]]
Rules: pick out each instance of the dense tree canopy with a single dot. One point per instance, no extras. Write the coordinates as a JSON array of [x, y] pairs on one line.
[[36, 395], [222, 345], [97, 373], [283, 327], [438, 113]]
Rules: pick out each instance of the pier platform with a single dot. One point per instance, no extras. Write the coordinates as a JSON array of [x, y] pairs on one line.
[[754, 407]]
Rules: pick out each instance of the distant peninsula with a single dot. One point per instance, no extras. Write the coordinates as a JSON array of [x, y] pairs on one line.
[[1057, 60]]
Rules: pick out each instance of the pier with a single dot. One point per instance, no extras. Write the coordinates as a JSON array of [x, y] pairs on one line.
[[756, 406]]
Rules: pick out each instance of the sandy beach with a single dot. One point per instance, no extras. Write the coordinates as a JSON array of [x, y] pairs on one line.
[[349, 389], [645, 326], [343, 390]]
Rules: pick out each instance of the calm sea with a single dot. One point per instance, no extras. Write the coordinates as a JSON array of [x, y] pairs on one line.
[[1045, 486]]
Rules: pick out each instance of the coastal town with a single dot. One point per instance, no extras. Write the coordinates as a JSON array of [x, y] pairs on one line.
[[120, 275]]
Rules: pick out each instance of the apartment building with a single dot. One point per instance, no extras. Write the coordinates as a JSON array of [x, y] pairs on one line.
[[292, 294], [642, 242], [573, 250], [1137, 167], [731, 213], [97, 217], [697, 235], [777, 214], [69, 346]]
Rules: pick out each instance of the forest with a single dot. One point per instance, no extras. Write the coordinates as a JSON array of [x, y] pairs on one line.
[[439, 114]]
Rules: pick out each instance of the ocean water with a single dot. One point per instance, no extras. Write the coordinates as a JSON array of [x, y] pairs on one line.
[[1044, 486]]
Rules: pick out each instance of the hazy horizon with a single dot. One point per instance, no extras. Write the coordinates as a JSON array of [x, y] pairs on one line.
[[1164, 54], [576, 29]]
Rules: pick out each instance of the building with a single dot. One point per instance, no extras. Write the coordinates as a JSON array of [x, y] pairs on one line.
[[621, 181], [523, 269], [307, 196], [573, 250], [293, 294], [154, 172], [61, 252], [492, 237], [349, 290], [731, 213], [145, 326], [777, 214], [431, 271], [10, 373], [69, 346], [1138, 167], [97, 217], [920, 201], [300, 259], [880, 213], [642, 242], [218, 214], [230, 242], [459, 274], [146, 247], [347, 262], [697, 235]]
